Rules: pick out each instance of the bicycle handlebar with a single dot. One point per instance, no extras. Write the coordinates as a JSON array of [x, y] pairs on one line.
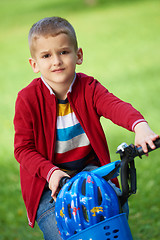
[[128, 170], [126, 166], [140, 150]]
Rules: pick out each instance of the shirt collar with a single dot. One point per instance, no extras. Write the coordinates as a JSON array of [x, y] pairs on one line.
[[50, 89]]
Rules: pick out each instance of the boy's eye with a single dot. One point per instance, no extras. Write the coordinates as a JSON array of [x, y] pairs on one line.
[[46, 55], [63, 52]]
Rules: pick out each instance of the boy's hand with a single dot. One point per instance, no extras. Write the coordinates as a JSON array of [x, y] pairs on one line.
[[54, 182], [144, 135]]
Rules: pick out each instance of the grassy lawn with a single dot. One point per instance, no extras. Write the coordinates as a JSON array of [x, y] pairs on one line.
[[120, 40]]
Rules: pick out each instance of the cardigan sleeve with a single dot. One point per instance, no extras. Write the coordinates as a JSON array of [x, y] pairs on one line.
[[111, 107], [24, 144]]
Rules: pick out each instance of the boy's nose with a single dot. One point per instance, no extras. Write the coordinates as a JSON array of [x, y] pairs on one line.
[[57, 60]]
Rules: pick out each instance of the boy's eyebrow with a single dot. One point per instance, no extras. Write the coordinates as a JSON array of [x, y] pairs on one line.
[[65, 48], [58, 49], [43, 52]]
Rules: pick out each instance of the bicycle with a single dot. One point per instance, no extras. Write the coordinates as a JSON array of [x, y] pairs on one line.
[[111, 225]]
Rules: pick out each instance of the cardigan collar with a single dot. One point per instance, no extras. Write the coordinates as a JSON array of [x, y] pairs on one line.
[[50, 89]]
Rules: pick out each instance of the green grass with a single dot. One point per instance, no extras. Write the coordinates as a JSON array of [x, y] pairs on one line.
[[120, 40]]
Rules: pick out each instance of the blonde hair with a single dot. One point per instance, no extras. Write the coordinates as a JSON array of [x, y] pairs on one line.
[[51, 26]]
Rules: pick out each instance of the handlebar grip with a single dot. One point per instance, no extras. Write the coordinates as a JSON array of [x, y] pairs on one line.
[[128, 170], [63, 181], [140, 150]]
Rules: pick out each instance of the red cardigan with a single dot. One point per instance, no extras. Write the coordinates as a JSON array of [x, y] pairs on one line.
[[35, 130]]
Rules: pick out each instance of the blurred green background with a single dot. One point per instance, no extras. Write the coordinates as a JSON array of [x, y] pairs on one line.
[[121, 44]]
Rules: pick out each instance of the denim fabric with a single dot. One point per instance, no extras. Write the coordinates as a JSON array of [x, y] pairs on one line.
[[125, 207], [46, 217]]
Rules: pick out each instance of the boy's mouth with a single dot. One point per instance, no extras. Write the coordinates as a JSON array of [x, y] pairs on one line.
[[58, 70]]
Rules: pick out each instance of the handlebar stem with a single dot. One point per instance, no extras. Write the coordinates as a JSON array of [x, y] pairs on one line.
[[128, 170]]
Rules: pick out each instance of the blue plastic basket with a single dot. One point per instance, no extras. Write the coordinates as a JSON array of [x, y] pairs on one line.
[[115, 228]]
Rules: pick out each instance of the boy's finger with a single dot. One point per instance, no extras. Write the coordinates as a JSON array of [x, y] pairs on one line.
[[144, 147], [54, 190], [151, 144], [54, 196], [150, 141]]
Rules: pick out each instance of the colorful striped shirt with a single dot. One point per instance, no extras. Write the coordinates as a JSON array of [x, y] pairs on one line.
[[73, 150]]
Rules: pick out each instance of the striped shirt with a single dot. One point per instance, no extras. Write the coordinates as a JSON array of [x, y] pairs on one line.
[[73, 150]]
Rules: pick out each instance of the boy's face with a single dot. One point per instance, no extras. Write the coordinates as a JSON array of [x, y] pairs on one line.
[[56, 58]]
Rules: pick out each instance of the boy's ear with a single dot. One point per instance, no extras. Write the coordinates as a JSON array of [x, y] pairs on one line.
[[34, 65], [79, 56]]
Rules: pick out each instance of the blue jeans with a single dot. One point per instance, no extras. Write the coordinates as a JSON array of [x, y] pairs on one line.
[[46, 217]]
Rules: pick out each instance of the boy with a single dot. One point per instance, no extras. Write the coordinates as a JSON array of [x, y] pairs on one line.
[[57, 127]]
